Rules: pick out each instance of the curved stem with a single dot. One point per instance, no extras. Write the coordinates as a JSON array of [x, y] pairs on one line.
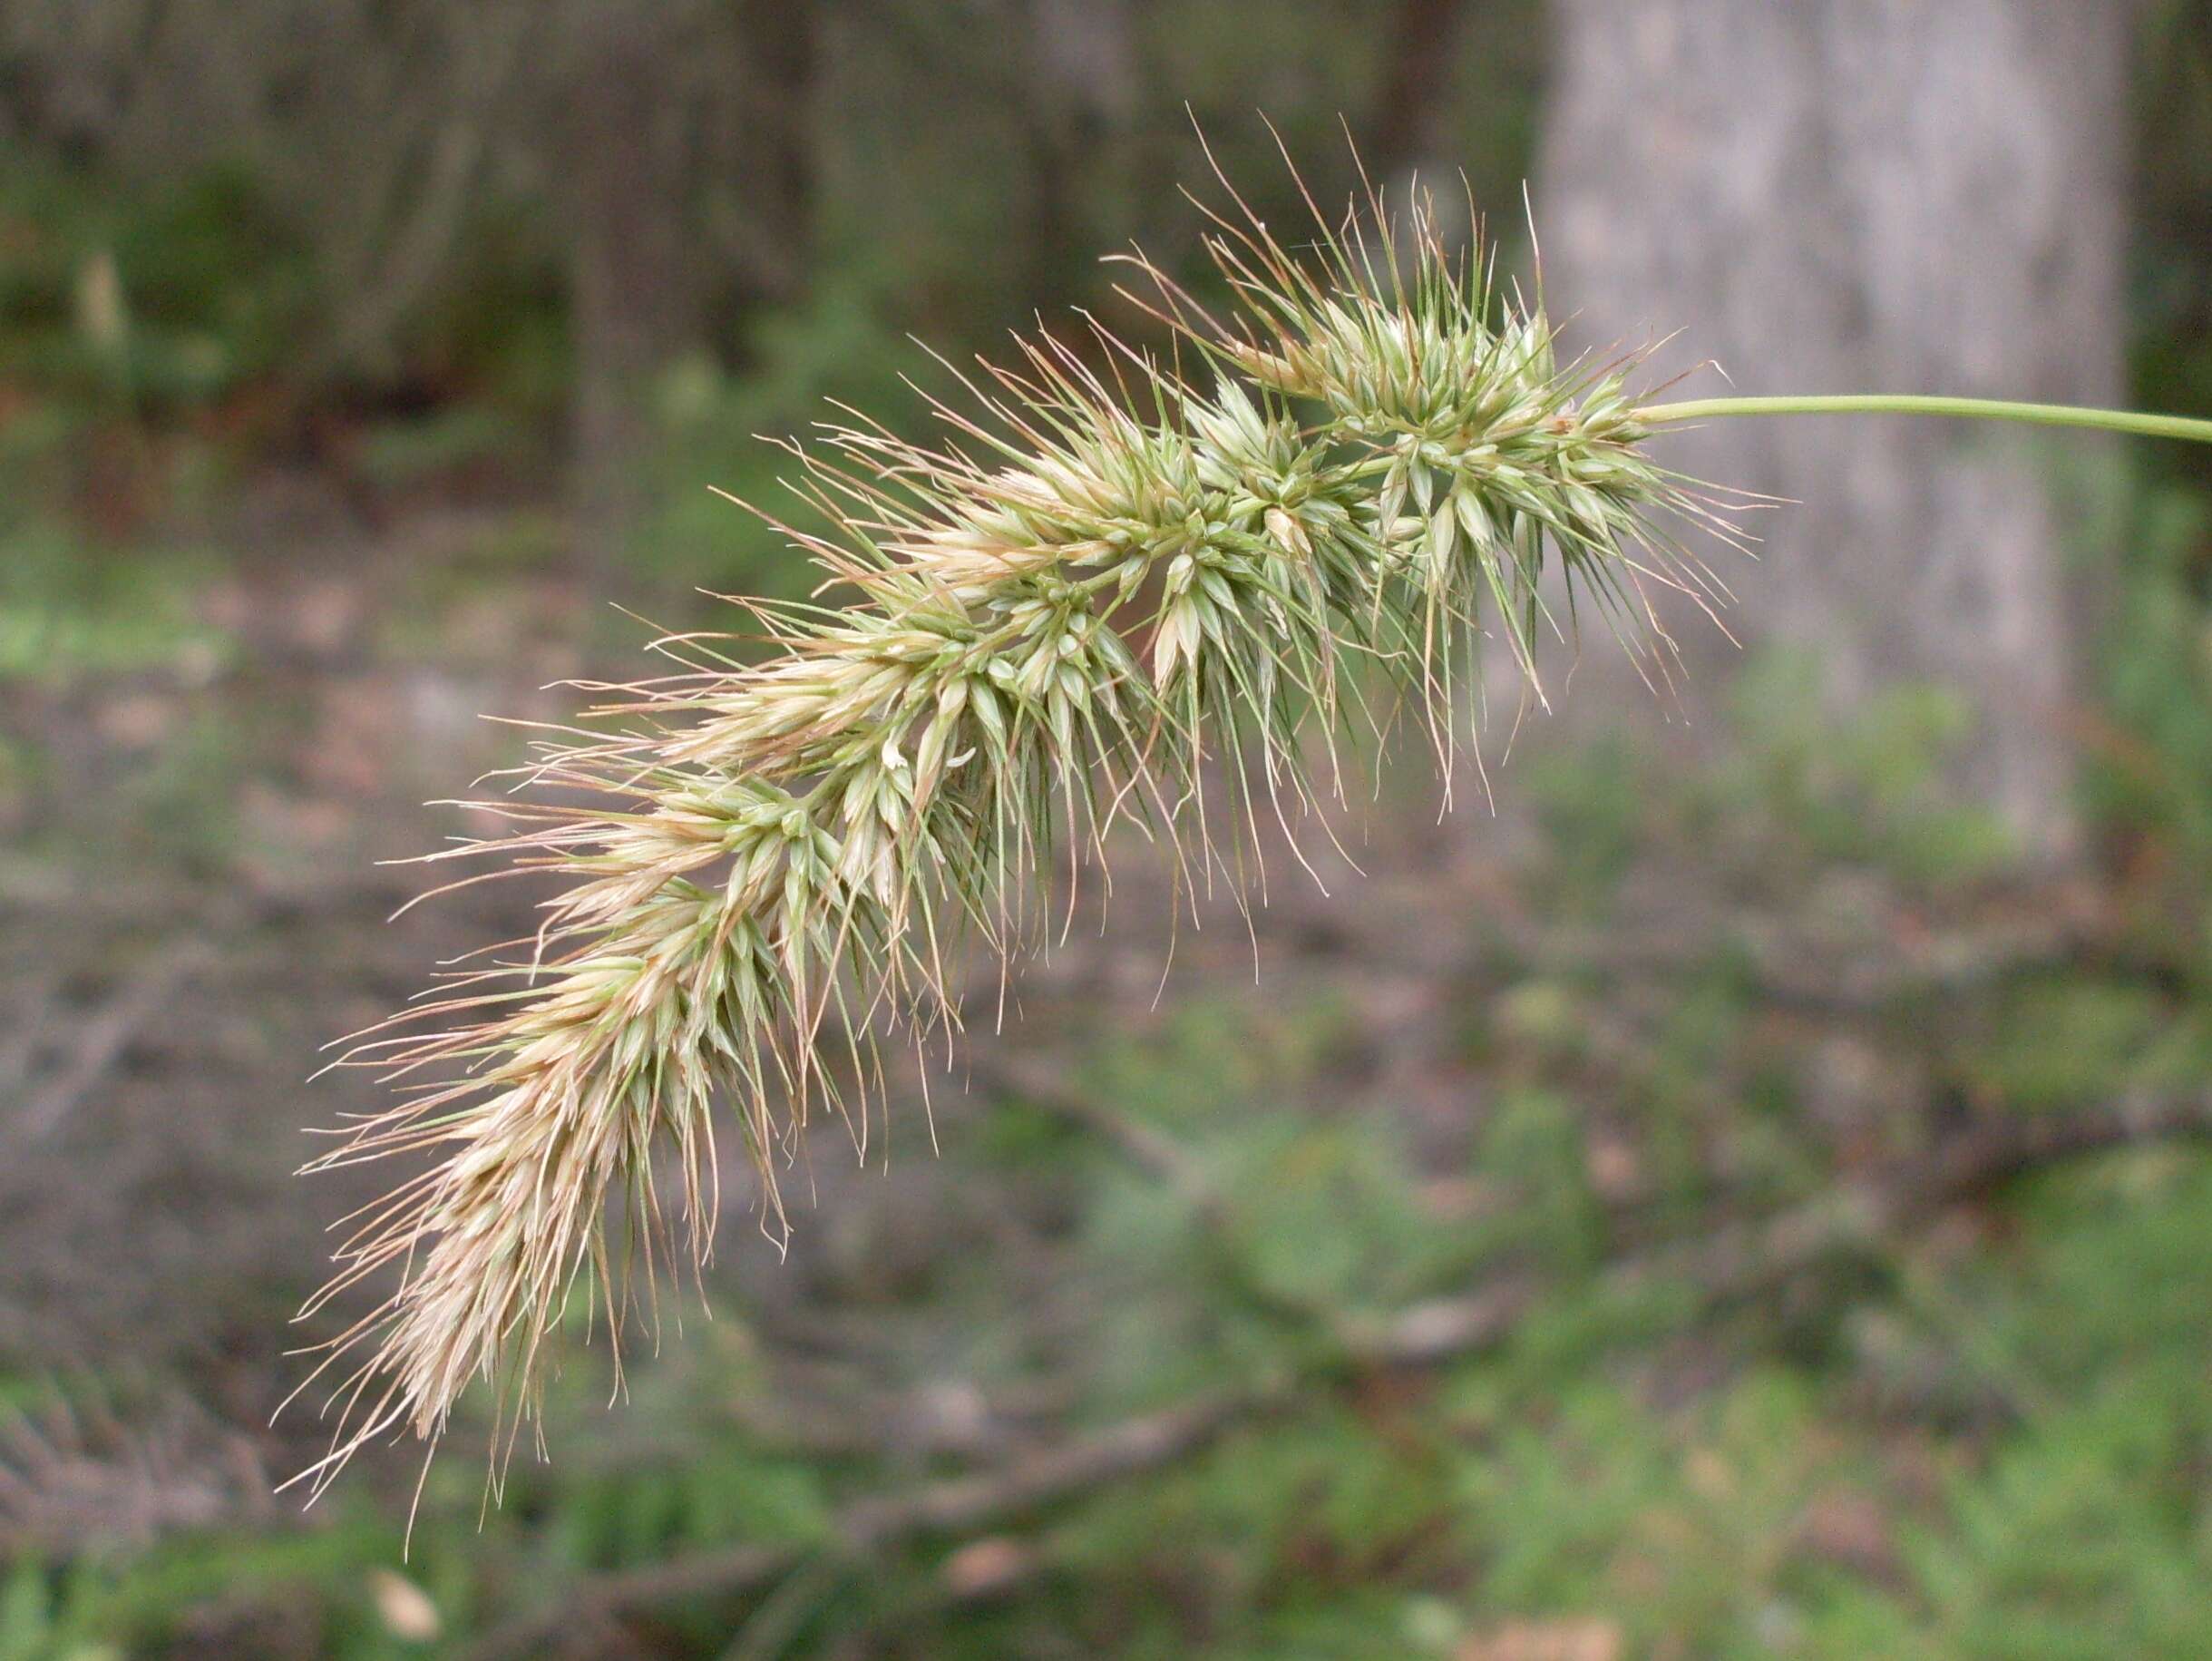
[[2184, 427]]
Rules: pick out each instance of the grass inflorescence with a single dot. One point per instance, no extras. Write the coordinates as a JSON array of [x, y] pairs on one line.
[[1117, 585]]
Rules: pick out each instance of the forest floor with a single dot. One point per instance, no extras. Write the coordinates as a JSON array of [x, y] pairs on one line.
[[1689, 1212]]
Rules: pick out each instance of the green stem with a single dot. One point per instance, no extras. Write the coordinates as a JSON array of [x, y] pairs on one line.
[[1900, 403]]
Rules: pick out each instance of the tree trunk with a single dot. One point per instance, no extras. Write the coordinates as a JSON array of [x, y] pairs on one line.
[[1081, 115], [621, 149], [1868, 195], [758, 163], [1404, 140]]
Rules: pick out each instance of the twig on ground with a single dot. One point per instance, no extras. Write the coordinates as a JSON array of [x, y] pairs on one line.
[[102, 1040], [1048, 1088], [1129, 1448], [21, 1047], [1793, 966]]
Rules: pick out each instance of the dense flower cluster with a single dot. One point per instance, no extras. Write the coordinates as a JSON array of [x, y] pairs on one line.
[[1114, 587]]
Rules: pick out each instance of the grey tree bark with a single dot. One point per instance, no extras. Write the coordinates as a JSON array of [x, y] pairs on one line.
[[1403, 138], [620, 147], [678, 145], [1084, 88], [1867, 195]]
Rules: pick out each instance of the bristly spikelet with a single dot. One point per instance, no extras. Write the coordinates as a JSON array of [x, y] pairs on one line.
[[1109, 579]]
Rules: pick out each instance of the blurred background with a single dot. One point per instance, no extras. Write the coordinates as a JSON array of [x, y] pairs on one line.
[[1739, 1198]]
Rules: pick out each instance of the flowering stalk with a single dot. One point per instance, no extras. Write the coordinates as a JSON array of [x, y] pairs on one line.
[[1110, 576], [2130, 421]]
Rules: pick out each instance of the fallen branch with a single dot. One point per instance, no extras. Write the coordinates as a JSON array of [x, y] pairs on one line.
[[1734, 1263], [1748, 1257], [1127, 1448], [102, 1040], [1048, 1090]]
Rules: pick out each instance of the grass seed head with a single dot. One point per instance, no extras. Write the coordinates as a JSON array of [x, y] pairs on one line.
[[1107, 575]]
